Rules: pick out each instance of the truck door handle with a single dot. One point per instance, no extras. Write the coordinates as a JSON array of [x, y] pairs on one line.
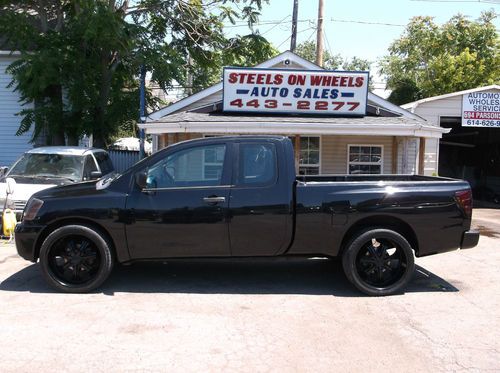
[[214, 200]]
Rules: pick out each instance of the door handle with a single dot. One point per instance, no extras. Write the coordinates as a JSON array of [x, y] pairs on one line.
[[214, 200]]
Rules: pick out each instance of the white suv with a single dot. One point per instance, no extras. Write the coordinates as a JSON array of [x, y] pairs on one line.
[[49, 166]]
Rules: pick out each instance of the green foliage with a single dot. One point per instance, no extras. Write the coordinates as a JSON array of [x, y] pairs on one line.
[[80, 58], [429, 60], [307, 50]]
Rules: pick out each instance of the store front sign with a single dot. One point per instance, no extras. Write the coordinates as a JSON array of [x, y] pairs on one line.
[[481, 109], [340, 93]]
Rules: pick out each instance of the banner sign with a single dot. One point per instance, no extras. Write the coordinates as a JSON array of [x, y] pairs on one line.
[[341, 93], [481, 109]]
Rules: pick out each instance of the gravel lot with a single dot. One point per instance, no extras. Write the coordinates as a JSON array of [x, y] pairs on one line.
[[289, 315]]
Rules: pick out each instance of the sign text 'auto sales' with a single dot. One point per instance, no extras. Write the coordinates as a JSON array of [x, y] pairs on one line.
[[295, 91]]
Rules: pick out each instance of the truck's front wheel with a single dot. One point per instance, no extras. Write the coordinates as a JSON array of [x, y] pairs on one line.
[[379, 262], [75, 259]]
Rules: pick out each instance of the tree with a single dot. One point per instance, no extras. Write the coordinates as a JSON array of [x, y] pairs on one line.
[[307, 50], [80, 58], [429, 59]]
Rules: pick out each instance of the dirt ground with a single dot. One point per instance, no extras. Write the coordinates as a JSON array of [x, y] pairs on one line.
[[257, 316]]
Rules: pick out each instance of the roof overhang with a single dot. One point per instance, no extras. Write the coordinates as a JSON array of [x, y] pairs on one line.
[[190, 122], [413, 105]]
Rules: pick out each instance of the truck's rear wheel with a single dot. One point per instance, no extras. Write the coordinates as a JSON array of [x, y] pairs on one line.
[[379, 262], [75, 259]]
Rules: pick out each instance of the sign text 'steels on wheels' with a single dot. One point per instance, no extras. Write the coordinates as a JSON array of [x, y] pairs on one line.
[[340, 93]]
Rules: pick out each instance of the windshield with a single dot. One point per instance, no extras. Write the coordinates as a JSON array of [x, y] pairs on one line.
[[49, 166]]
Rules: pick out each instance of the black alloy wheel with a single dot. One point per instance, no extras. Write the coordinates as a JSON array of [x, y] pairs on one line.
[[379, 262], [76, 259]]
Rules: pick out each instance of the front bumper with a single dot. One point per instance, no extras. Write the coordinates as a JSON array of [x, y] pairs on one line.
[[26, 237], [470, 239]]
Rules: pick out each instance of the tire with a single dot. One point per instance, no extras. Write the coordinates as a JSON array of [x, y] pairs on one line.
[[372, 265], [76, 259]]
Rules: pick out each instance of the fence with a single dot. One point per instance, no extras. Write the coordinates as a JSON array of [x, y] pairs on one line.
[[123, 159]]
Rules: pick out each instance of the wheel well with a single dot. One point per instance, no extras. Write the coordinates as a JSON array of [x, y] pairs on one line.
[[88, 223], [381, 222]]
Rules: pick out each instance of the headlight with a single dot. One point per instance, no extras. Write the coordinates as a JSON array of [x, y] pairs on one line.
[[32, 208]]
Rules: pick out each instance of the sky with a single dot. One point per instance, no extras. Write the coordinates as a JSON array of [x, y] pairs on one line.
[[344, 28]]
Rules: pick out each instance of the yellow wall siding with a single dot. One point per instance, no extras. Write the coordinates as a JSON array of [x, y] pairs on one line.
[[334, 152]]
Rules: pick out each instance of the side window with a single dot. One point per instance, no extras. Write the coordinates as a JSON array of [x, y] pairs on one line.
[[104, 162], [199, 166], [257, 164], [88, 167]]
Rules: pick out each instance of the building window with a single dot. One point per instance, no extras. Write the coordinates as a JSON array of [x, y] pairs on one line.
[[213, 160], [365, 159], [309, 160]]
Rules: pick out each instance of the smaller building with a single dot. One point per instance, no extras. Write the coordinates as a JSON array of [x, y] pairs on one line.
[[11, 146], [382, 139], [471, 148]]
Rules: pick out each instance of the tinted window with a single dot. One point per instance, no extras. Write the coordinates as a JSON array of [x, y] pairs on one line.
[[257, 164], [104, 162], [199, 166], [89, 167]]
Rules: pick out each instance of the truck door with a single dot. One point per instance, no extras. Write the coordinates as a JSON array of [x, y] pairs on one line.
[[182, 212], [260, 206]]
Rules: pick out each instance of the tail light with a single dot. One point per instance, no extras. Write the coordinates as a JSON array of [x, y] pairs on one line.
[[464, 200]]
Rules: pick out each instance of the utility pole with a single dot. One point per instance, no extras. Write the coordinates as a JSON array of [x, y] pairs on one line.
[[293, 42], [142, 110], [319, 35]]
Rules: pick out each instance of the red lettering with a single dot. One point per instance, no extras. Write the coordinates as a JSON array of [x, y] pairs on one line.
[[251, 78], [233, 78], [316, 80], [278, 79], [359, 81], [343, 81]]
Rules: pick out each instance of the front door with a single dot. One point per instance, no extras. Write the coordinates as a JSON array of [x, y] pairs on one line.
[[183, 210]]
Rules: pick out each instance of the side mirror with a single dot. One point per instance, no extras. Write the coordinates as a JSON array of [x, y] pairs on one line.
[[141, 179], [11, 186], [3, 171], [95, 175]]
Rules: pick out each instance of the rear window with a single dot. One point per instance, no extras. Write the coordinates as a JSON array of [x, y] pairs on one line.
[[257, 164], [104, 162]]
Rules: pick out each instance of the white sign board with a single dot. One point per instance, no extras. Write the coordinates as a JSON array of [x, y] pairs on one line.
[[341, 93], [481, 109]]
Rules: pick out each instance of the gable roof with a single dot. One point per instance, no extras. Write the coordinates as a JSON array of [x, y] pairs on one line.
[[280, 58], [414, 104]]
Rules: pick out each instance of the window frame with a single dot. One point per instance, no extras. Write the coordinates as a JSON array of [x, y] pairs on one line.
[[319, 164], [366, 163], [226, 167], [237, 172]]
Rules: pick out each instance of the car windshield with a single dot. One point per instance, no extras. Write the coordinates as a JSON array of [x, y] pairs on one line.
[[49, 166]]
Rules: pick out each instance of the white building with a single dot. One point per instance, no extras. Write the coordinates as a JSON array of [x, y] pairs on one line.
[[471, 150], [11, 146], [388, 139]]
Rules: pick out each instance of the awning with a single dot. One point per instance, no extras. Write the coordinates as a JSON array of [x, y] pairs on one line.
[[220, 123]]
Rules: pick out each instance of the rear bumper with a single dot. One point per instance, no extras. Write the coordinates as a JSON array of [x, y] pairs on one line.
[[26, 236], [470, 239]]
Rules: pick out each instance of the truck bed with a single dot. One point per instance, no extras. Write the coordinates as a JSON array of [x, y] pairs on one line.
[[329, 207], [373, 178]]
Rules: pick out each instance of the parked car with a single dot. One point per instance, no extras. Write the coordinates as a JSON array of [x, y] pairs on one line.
[[240, 197], [46, 167]]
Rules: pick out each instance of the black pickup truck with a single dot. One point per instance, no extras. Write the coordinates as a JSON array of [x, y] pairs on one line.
[[240, 197]]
